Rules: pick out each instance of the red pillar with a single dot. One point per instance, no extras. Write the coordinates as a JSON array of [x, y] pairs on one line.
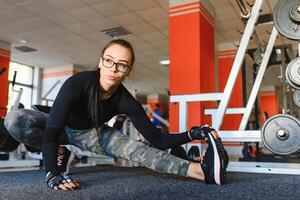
[[225, 61], [4, 63], [192, 57], [268, 104]]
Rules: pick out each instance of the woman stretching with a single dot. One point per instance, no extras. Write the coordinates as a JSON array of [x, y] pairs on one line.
[[85, 102]]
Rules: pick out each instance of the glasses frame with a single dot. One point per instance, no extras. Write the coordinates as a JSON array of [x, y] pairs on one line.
[[115, 63]]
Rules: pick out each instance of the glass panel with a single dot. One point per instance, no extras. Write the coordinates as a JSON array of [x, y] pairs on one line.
[[26, 97], [24, 73], [24, 76]]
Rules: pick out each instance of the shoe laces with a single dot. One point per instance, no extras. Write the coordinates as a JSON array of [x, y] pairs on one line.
[[220, 146]]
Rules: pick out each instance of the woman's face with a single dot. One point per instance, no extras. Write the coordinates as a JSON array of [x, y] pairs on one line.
[[114, 65]]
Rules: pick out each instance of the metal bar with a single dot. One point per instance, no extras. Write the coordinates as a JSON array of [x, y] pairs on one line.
[[264, 167], [159, 118], [22, 84], [237, 64], [18, 98], [183, 120], [244, 83], [256, 111], [258, 42], [196, 97], [258, 79], [228, 111], [284, 92], [2, 70], [182, 116], [19, 163], [49, 91], [244, 11], [240, 136]]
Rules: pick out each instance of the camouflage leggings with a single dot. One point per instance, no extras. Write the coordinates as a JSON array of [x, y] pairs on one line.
[[27, 126]]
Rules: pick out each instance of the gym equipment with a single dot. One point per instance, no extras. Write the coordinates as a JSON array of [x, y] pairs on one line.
[[19, 93], [7, 142], [2, 70], [44, 98], [45, 109], [245, 13], [193, 153], [296, 97], [31, 149], [286, 18], [281, 134], [258, 56], [222, 98], [179, 152], [292, 73]]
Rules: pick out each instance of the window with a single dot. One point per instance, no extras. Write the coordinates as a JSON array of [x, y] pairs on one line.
[[24, 80]]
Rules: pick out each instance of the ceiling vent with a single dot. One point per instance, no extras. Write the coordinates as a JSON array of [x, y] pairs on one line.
[[116, 32], [25, 49]]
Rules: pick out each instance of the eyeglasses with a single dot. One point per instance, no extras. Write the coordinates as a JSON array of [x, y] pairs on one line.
[[108, 63]]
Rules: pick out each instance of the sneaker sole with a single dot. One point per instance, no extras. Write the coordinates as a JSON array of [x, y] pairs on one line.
[[217, 163]]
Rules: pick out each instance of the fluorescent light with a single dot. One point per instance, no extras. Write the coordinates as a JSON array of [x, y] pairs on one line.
[[23, 41], [164, 62]]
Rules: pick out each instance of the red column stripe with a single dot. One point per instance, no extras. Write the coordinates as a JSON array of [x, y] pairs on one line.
[[4, 52], [57, 74], [190, 7], [184, 5]]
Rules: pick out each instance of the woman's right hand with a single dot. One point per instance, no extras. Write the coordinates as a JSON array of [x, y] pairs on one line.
[[58, 181]]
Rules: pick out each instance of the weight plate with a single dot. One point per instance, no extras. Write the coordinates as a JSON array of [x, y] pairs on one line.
[[295, 72], [258, 56], [285, 17], [296, 97], [292, 73], [295, 13], [281, 134]]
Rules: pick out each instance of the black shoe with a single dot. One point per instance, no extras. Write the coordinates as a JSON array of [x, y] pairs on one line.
[[64, 159], [215, 161]]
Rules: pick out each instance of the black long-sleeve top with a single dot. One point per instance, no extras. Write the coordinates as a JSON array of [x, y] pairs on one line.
[[70, 109]]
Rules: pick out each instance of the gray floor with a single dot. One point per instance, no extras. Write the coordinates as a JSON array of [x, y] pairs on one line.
[[107, 182]]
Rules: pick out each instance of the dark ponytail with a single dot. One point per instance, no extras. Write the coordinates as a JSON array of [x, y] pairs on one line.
[[94, 104]]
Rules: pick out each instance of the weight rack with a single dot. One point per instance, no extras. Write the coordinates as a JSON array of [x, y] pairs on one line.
[[240, 135]]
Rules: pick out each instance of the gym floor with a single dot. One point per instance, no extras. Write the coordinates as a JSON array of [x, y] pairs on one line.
[[109, 182]]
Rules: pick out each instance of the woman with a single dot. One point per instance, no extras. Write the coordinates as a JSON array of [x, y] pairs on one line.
[[89, 99]]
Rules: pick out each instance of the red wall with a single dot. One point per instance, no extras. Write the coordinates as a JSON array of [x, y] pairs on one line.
[[4, 62], [225, 61], [269, 104], [192, 63]]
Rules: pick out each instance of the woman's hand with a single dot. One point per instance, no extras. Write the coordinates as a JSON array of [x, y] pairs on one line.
[[57, 181], [68, 186], [200, 132]]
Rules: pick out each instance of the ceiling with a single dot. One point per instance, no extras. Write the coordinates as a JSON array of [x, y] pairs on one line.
[[69, 32]]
